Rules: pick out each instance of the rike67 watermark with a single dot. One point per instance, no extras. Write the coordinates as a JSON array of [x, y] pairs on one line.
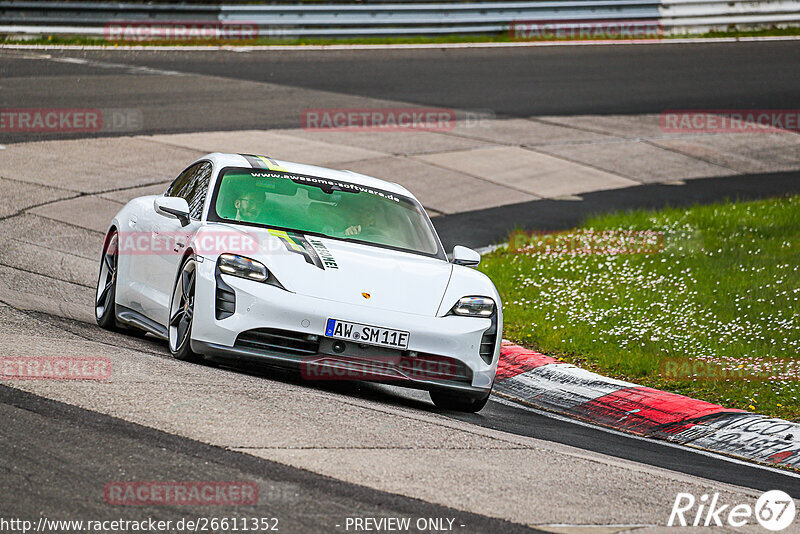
[[774, 510]]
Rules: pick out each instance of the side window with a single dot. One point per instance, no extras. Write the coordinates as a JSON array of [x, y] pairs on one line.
[[198, 189], [178, 187], [192, 185]]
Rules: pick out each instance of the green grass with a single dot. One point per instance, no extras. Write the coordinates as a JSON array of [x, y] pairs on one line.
[[488, 38], [723, 293]]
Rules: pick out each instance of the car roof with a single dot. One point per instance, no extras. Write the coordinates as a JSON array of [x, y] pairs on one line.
[[244, 160]]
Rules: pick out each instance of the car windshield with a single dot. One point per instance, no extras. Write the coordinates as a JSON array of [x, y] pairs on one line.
[[331, 208]]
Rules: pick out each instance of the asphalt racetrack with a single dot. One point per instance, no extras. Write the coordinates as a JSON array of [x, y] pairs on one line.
[[202, 91]]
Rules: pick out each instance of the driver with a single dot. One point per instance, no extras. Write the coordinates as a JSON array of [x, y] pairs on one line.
[[365, 218], [249, 205]]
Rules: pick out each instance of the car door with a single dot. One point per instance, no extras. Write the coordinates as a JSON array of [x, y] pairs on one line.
[[146, 295], [172, 237]]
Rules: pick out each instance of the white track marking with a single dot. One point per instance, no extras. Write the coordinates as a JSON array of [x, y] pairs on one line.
[[303, 48], [730, 459], [131, 69]]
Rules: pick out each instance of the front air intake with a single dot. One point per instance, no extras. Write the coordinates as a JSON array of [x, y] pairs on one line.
[[489, 340], [225, 298], [280, 341]]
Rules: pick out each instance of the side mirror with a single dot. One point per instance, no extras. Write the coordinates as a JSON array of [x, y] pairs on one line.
[[465, 256], [173, 207]]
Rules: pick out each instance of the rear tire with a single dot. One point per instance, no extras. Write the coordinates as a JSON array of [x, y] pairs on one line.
[[104, 300], [457, 402], [105, 306], [181, 313]]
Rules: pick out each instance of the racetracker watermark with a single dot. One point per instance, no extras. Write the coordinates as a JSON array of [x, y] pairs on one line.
[[379, 368], [227, 524], [181, 493], [730, 120], [206, 243], [584, 30], [70, 120], [186, 30], [379, 119], [585, 242], [784, 370], [55, 368], [774, 510]]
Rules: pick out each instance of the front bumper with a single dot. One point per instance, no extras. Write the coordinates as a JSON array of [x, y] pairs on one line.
[[451, 339]]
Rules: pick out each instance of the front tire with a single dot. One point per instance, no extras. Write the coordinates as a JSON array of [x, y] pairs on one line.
[[457, 402], [181, 313]]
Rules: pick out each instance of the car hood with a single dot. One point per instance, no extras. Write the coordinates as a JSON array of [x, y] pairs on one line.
[[353, 273]]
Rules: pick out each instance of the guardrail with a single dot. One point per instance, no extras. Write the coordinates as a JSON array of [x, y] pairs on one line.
[[416, 19], [346, 20], [700, 16]]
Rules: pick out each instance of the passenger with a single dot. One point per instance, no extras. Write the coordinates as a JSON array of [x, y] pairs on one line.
[[364, 219]]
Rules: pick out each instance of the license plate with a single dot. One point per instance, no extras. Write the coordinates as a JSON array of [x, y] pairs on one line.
[[364, 333]]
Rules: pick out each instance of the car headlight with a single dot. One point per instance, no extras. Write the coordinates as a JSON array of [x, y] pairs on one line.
[[474, 307], [242, 267]]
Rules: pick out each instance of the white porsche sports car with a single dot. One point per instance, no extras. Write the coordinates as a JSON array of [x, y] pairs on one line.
[[334, 272]]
